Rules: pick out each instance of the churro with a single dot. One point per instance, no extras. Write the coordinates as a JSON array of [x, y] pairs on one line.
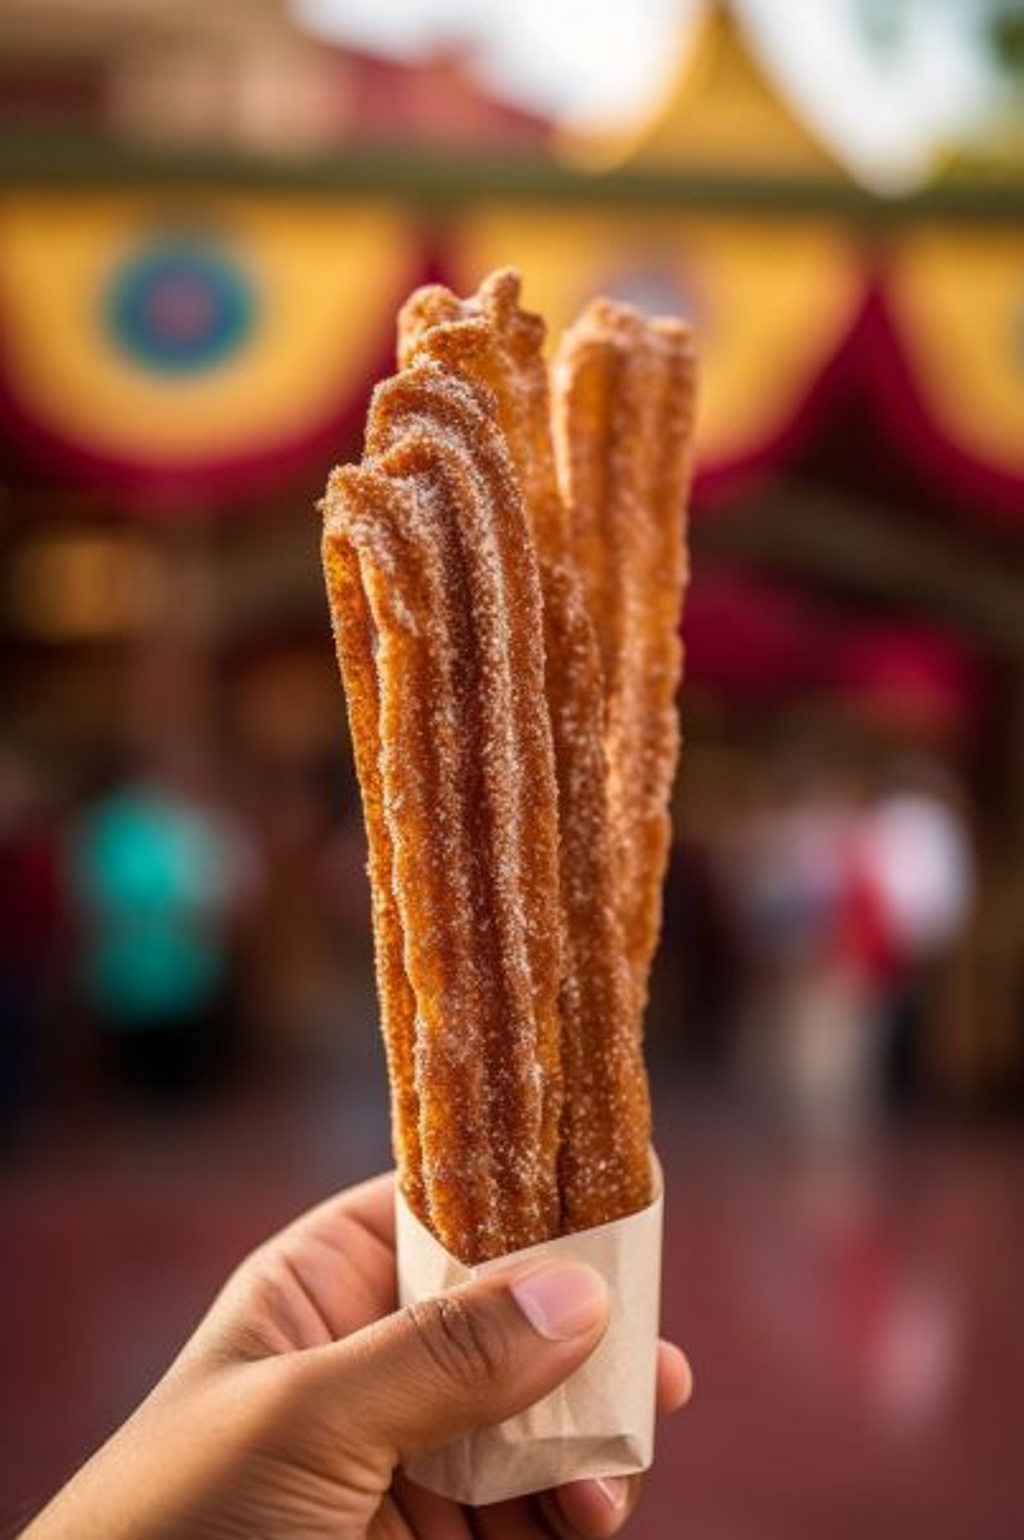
[[623, 391], [488, 664], [604, 1164], [435, 524]]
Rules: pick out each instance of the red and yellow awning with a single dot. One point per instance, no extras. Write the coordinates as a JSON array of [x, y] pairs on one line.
[[956, 299], [197, 341], [772, 299], [155, 337]]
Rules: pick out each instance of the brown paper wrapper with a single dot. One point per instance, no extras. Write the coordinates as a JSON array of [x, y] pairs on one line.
[[601, 1421]]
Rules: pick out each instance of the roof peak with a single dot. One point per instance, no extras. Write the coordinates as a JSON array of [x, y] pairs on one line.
[[723, 111]]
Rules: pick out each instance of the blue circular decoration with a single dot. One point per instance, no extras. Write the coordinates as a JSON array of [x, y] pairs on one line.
[[180, 307]]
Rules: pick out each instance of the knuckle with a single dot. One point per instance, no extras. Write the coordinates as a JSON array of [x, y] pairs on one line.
[[265, 1286], [469, 1346], [261, 1313]]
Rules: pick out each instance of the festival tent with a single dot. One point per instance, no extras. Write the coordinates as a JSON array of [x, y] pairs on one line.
[[186, 332], [187, 340]]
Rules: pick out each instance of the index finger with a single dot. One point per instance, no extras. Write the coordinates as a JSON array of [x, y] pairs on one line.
[[371, 1205]]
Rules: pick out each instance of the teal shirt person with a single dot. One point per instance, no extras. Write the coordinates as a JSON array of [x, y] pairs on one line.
[[154, 877]]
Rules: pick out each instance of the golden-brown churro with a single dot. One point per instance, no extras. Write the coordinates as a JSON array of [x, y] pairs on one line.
[[469, 798], [623, 419], [494, 753], [356, 640], [604, 1166]]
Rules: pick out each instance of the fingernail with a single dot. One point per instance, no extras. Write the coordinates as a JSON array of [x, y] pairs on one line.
[[688, 1387], [612, 1491], [561, 1299]]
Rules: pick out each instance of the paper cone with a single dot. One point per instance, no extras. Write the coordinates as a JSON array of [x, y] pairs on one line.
[[601, 1421]]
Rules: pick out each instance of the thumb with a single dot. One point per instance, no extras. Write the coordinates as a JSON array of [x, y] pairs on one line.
[[471, 1357]]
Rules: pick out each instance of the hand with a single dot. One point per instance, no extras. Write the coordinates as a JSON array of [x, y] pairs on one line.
[[287, 1415]]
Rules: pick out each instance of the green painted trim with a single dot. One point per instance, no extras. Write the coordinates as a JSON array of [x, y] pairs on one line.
[[440, 182]]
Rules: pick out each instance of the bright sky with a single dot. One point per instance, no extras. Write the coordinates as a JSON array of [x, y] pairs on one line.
[[606, 61]]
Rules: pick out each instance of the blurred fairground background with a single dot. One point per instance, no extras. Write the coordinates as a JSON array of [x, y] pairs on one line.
[[208, 214]]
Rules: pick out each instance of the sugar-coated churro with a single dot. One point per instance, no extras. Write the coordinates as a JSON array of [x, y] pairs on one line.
[[435, 522], [624, 389], [489, 666], [604, 1167]]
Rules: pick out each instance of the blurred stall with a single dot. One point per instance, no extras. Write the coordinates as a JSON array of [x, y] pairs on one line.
[[188, 332], [207, 219]]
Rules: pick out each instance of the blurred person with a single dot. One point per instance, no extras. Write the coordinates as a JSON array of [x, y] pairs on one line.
[[293, 1405], [31, 929], [158, 871], [817, 950], [917, 854]]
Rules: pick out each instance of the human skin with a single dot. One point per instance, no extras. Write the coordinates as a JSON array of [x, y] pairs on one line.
[[289, 1412]]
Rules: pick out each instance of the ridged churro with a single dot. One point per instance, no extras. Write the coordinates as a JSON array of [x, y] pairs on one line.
[[624, 391], [604, 1165], [486, 666], [435, 524]]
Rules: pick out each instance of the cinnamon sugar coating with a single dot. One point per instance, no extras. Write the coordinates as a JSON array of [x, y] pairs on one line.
[[624, 395], [476, 665], [604, 1166]]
